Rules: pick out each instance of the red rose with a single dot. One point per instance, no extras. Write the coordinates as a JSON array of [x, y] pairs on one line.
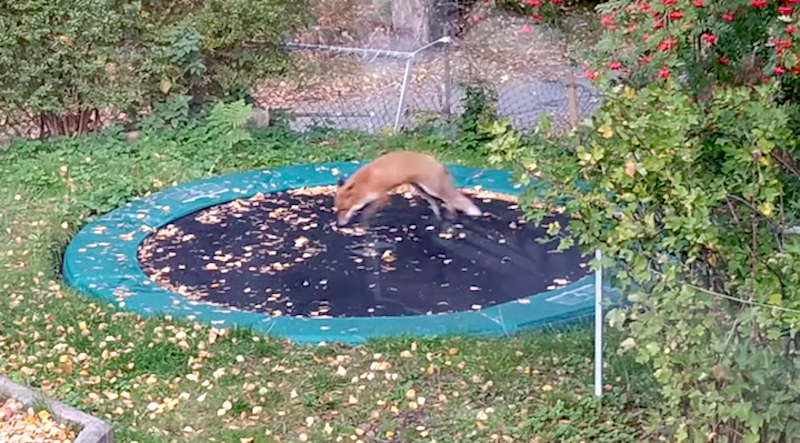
[[778, 70], [658, 25], [591, 75], [780, 45], [644, 7], [607, 20], [663, 73], [728, 16], [711, 38], [615, 65], [791, 29], [526, 29], [534, 3], [646, 38], [785, 10], [724, 61], [666, 45], [698, 3], [676, 15], [537, 18], [669, 2], [758, 3]]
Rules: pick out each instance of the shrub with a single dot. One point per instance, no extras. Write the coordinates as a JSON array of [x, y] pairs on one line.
[[703, 42], [691, 176], [63, 62], [688, 205], [221, 48]]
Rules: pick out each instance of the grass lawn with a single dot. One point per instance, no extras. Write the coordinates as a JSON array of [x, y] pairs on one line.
[[170, 380]]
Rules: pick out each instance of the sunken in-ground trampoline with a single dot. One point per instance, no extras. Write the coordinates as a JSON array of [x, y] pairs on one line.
[[262, 250]]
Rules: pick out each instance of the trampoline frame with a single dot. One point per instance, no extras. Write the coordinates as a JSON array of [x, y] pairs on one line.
[[102, 261]]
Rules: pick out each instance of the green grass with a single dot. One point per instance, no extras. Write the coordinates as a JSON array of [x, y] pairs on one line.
[[170, 380]]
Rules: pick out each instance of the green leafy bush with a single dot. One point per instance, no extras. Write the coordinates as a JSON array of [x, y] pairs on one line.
[[221, 48], [65, 62], [689, 209], [687, 181]]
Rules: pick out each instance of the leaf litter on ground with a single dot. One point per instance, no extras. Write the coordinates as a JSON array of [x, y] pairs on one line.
[[165, 379]]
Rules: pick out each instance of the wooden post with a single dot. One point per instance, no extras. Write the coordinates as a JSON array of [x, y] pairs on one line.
[[572, 100]]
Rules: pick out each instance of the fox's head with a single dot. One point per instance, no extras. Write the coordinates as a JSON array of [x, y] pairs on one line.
[[345, 201]]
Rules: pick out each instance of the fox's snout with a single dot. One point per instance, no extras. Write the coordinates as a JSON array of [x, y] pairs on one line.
[[342, 217]]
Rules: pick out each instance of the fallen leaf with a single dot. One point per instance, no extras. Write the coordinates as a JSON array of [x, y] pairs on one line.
[[628, 343], [630, 168], [606, 131]]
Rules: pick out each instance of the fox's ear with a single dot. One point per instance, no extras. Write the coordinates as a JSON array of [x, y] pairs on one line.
[[340, 182]]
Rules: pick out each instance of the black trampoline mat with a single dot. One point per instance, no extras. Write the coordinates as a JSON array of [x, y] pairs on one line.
[[282, 254]]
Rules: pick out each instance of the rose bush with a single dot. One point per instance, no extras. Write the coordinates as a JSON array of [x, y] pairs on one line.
[[689, 209], [686, 179], [705, 43]]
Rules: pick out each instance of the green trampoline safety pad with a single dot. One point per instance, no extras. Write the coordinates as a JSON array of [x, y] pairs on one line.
[[102, 261]]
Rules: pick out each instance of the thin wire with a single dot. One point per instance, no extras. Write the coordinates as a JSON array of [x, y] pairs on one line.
[[737, 299]]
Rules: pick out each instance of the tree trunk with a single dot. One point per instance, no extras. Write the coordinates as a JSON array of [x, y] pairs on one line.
[[410, 21], [443, 16]]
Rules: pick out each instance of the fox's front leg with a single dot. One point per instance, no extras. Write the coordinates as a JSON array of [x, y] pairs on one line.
[[372, 209]]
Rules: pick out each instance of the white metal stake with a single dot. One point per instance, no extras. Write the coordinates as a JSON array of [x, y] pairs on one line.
[[407, 79], [598, 327], [402, 101]]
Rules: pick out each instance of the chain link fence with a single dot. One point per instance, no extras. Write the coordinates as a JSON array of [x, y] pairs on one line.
[[370, 90], [357, 73]]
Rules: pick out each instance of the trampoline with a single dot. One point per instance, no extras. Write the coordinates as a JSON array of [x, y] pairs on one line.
[[261, 249]]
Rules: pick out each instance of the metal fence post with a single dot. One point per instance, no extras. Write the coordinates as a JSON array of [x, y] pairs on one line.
[[598, 326], [447, 80], [401, 103]]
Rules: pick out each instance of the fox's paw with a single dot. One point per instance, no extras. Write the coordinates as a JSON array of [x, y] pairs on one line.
[[473, 211]]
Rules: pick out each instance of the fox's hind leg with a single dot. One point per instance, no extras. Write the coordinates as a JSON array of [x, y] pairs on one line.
[[450, 215]]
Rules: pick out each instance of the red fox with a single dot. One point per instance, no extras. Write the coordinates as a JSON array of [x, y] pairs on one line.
[[370, 186]]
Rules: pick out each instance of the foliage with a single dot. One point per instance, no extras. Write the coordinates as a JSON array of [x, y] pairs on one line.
[[480, 108], [173, 113], [703, 42], [65, 62], [687, 205], [687, 181], [221, 48], [171, 379], [68, 59]]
